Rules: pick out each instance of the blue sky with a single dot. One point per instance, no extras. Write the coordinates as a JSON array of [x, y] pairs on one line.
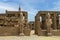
[[31, 6]]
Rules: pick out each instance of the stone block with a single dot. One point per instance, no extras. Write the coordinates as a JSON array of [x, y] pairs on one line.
[[27, 32], [9, 31]]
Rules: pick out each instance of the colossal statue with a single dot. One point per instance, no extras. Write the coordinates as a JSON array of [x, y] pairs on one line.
[[48, 23]]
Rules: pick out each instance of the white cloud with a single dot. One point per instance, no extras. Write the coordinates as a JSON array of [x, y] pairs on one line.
[[27, 6], [30, 9], [5, 6]]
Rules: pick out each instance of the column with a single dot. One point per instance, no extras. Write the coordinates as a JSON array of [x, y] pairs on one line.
[[55, 24], [26, 28], [38, 30]]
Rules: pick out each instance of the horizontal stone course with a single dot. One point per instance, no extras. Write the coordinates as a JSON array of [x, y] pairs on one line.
[[9, 31]]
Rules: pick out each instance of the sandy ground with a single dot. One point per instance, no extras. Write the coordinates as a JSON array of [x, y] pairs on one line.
[[31, 37]]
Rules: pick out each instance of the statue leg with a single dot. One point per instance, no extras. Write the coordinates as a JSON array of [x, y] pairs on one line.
[[49, 30]]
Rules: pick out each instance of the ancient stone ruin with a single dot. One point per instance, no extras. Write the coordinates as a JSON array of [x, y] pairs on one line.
[[47, 23], [15, 23]]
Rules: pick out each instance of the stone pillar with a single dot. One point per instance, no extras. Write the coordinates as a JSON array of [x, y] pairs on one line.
[[55, 24], [35, 25], [38, 30], [26, 28]]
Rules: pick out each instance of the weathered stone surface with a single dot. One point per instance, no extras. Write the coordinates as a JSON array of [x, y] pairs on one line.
[[27, 32], [16, 23], [32, 25], [13, 22], [49, 22], [9, 31]]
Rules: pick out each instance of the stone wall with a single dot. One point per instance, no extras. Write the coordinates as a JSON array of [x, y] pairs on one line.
[[4, 31], [13, 22], [56, 32]]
